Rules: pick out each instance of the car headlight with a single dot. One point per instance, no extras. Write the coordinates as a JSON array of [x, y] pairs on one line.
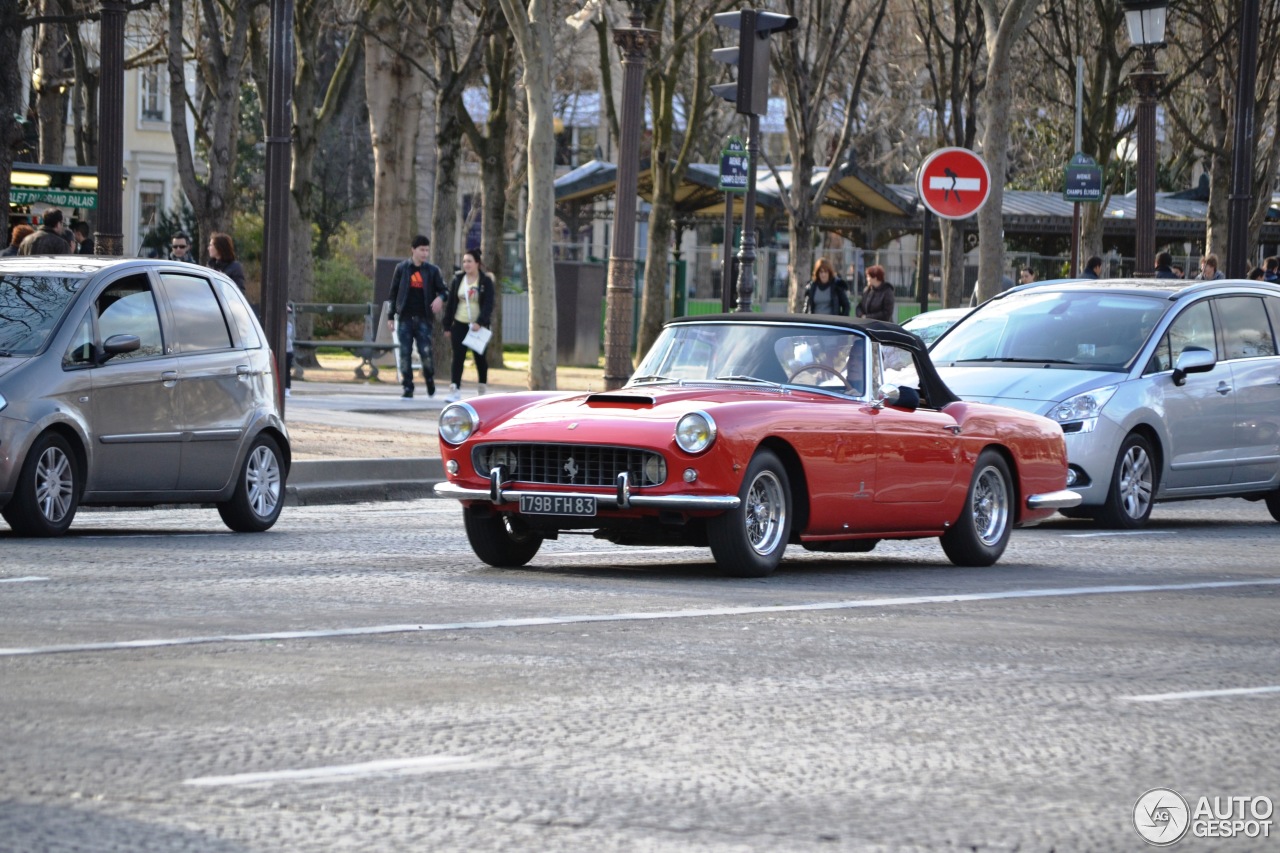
[[1083, 407], [695, 432], [457, 422]]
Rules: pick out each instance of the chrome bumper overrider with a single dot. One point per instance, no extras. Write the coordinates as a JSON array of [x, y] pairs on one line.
[[621, 498], [1063, 499]]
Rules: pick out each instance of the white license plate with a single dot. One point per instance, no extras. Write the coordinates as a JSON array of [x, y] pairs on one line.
[[557, 505]]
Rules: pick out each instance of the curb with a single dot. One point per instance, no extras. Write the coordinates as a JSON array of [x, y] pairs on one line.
[[344, 481]]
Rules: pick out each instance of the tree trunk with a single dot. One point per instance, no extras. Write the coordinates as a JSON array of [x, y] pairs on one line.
[[1003, 28], [444, 211], [11, 100], [51, 97], [954, 292], [653, 305], [394, 91]]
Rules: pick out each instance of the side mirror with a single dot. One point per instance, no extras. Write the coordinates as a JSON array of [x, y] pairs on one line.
[[1192, 360], [898, 396], [117, 344]]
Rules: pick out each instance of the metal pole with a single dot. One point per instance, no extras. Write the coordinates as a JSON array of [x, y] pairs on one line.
[[1146, 80], [109, 238], [747, 251], [926, 249], [1075, 206], [1242, 147], [620, 293], [275, 254], [726, 268]]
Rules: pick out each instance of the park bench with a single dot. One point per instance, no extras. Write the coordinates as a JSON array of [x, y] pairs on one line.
[[367, 349]]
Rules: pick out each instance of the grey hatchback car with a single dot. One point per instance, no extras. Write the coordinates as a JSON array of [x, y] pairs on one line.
[[1165, 389], [134, 382]]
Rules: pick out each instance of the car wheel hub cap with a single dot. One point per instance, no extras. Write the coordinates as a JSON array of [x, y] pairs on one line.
[[990, 506], [765, 514], [1135, 482], [262, 482], [53, 485]]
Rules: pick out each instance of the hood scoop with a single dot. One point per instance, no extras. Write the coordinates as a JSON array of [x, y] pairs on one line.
[[619, 398]]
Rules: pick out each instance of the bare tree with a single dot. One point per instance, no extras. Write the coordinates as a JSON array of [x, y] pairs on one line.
[[816, 84], [1005, 21], [531, 23], [220, 51]]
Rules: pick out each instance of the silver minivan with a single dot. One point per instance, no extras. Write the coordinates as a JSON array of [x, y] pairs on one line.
[[134, 382], [1165, 389]]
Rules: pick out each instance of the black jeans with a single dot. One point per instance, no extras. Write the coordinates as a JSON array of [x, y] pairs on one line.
[[456, 334]]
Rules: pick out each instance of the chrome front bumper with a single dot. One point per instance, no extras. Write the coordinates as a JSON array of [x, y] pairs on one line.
[[1062, 499], [620, 498]]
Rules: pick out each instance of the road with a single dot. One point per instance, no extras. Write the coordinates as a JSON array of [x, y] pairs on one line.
[[355, 680]]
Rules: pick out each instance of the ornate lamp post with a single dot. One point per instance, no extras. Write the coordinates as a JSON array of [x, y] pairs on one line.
[[108, 240], [1242, 149], [620, 293], [1145, 19]]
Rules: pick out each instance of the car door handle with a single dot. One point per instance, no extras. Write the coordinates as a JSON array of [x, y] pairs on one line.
[[243, 370], [169, 378], [954, 429], [1224, 389]]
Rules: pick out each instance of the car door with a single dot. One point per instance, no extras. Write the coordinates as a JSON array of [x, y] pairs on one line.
[[1199, 414], [214, 386], [1250, 346], [917, 451], [135, 409]]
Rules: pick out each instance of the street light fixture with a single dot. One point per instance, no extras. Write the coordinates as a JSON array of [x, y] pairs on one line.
[[1145, 20]]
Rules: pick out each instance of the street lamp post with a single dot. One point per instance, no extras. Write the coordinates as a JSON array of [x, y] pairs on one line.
[[620, 294], [1145, 20], [1242, 148], [109, 238]]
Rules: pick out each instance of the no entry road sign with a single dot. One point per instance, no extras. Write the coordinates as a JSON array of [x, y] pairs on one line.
[[953, 182]]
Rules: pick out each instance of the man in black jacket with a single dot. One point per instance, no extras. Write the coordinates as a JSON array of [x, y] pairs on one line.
[[417, 294], [50, 239]]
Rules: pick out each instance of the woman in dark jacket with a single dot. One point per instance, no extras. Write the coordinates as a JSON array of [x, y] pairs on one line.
[[470, 308], [222, 257], [825, 294], [877, 297]]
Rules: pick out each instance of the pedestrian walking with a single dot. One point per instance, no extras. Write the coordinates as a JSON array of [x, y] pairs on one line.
[[180, 248], [1092, 268], [288, 349], [469, 309], [826, 292], [50, 238], [222, 257], [417, 294], [16, 236], [1027, 276], [1210, 269], [83, 238], [1164, 265], [1271, 269], [877, 297]]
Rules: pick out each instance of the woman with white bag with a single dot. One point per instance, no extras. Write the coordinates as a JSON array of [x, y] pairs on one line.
[[466, 320]]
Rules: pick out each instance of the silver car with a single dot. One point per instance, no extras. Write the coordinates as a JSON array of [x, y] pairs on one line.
[[1165, 389], [134, 382]]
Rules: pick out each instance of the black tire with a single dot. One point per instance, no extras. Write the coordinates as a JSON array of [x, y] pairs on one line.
[[748, 542], [1133, 485], [498, 539], [1273, 505], [48, 489], [259, 496], [980, 535]]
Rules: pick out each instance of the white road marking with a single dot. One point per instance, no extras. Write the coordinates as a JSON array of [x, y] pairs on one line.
[[342, 772], [710, 612], [1115, 533], [28, 579], [1202, 694]]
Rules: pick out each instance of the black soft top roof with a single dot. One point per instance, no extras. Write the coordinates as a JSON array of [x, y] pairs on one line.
[[881, 331]]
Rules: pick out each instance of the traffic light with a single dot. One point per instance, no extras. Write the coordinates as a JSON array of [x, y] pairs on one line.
[[751, 92]]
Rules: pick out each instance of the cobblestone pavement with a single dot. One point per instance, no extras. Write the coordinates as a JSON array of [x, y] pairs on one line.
[[355, 680]]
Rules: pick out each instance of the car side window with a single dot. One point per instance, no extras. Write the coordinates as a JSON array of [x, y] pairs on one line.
[[239, 311], [1246, 329], [80, 353], [1192, 328], [197, 316], [128, 307]]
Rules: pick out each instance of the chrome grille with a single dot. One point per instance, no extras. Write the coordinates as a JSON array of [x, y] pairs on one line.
[[571, 464]]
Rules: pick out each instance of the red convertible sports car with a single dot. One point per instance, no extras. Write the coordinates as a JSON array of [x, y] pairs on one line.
[[747, 433]]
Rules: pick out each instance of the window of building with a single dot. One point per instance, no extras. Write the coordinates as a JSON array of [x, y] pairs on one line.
[[152, 106], [150, 205]]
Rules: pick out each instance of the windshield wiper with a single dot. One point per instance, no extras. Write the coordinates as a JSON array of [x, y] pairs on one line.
[[652, 377], [4, 353], [1013, 360], [740, 377]]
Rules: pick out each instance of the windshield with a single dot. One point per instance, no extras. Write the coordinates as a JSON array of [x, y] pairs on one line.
[[30, 308], [1074, 329], [831, 359]]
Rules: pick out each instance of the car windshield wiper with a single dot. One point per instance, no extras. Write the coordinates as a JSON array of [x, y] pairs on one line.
[[990, 358], [741, 377], [4, 353], [651, 378]]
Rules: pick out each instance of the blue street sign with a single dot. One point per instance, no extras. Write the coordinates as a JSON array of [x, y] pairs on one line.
[[1083, 179]]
